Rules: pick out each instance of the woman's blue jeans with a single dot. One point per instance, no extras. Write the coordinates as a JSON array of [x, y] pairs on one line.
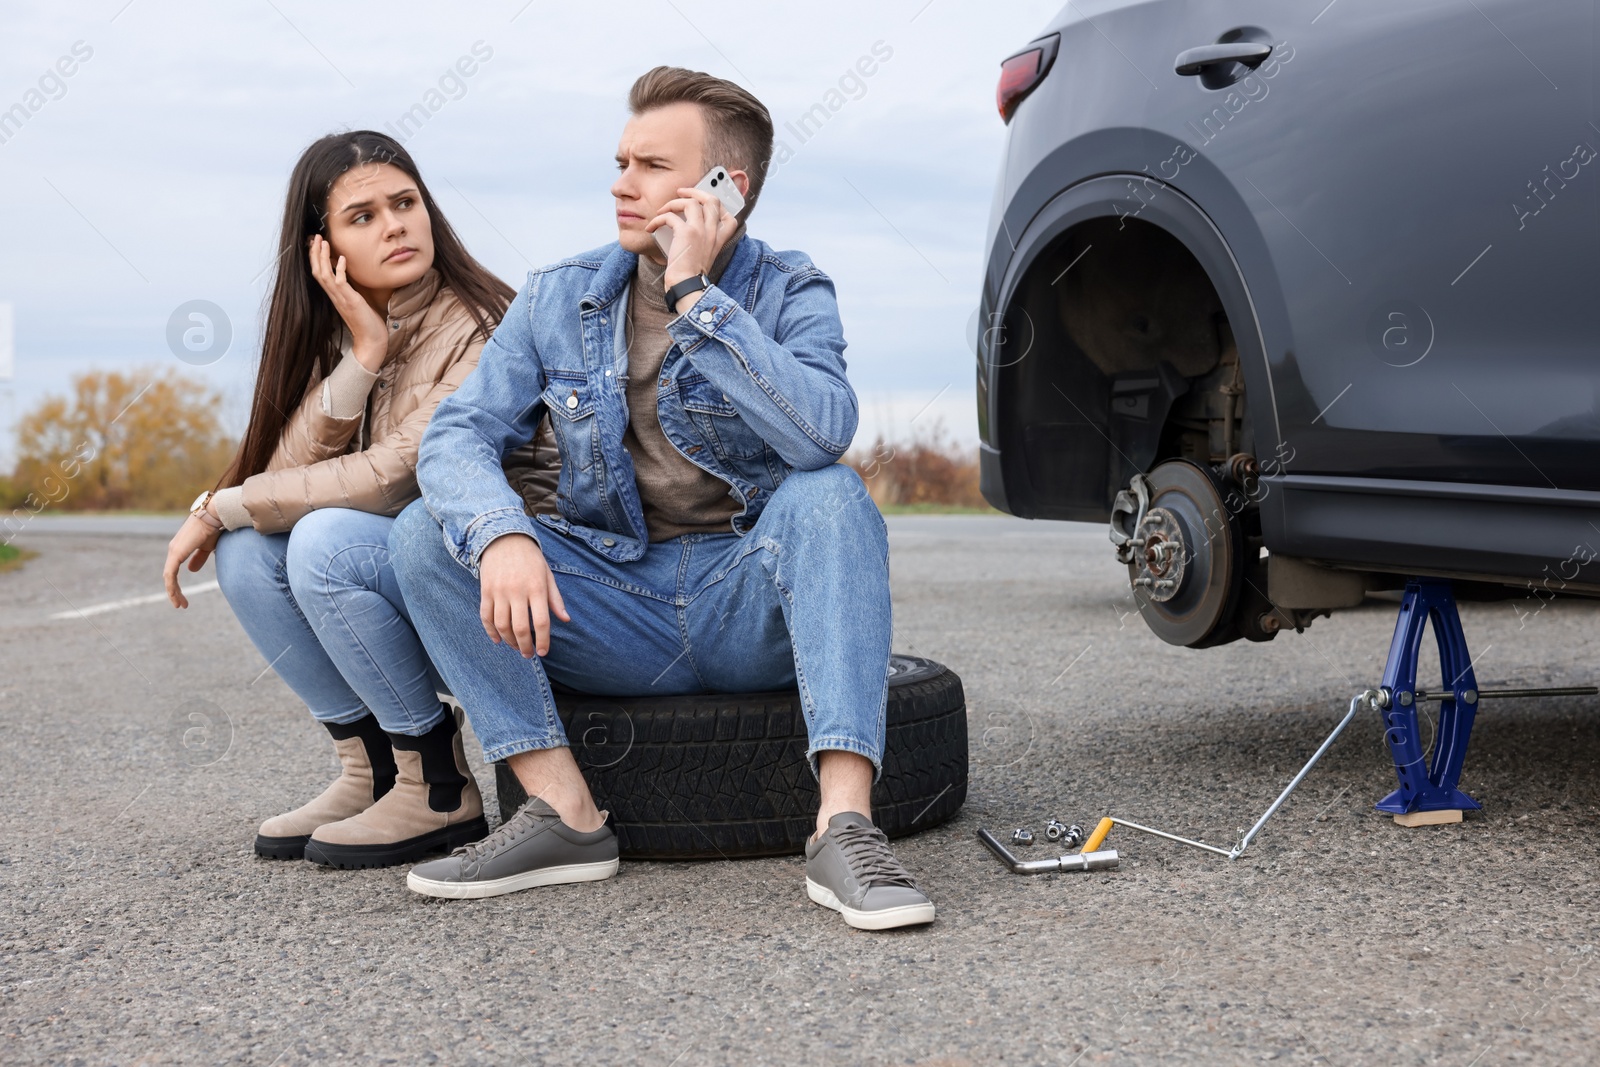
[[800, 601], [321, 604]]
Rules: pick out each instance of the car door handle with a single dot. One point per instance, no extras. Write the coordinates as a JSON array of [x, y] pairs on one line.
[[1195, 60]]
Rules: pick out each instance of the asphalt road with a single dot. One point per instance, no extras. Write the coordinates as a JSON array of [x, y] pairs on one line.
[[138, 927]]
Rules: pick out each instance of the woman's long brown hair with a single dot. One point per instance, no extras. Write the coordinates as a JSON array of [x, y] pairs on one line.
[[302, 324]]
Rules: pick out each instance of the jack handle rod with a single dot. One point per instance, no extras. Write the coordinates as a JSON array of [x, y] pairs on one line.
[[1509, 694], [1174, 837], [1371, 698]]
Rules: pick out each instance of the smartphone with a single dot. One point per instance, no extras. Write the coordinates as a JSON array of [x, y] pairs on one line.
[[718, 184]]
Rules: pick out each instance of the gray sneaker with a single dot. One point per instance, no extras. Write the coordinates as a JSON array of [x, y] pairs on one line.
[[851, 870], [532, 848]]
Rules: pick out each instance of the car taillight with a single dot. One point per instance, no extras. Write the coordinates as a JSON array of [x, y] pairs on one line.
[[1022, 72]]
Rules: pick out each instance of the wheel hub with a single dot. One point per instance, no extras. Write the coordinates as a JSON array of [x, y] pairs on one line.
[[1159, 564], [1184, 554]]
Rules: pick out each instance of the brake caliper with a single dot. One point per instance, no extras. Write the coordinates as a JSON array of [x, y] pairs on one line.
[[1127, 515]]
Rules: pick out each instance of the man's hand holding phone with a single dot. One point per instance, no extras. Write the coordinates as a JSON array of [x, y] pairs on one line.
[[518, 595], [700, 226], [692, 229]]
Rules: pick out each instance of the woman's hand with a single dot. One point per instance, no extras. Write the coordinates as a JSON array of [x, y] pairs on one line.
[[367, 331], [194, 541]]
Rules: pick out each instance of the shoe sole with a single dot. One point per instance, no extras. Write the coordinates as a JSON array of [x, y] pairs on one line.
[[495, 887], [281, 848], [883, 919], [392, 854]]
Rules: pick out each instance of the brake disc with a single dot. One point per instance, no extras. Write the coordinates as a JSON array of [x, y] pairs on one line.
[[1187, 556]]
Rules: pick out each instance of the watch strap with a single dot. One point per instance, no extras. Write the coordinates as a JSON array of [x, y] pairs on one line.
[[684, 288], [198, 510]]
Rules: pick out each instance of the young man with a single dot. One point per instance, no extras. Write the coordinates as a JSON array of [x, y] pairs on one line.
[[708, 538]]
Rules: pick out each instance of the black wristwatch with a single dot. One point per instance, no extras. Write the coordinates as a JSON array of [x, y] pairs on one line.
[[684, 288]]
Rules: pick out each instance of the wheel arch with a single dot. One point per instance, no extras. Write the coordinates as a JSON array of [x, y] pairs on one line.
[[1034, 225]]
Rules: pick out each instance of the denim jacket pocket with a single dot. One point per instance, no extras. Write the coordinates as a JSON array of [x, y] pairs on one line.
[[718, 420], [572, 420]]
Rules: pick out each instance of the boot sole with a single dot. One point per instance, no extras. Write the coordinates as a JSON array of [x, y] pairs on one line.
[[392, 854], [281, 848], [495, 887], [883, 919]]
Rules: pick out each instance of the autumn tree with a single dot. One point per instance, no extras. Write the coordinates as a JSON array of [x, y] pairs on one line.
[[143, 439]]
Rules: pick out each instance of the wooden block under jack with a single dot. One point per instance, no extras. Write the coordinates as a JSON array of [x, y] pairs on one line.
[[1429, 818]]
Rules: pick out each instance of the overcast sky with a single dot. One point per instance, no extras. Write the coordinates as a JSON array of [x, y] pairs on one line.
[[154, 173]]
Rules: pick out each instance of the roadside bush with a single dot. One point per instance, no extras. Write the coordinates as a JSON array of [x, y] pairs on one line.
[[11, 494], [930, 469]]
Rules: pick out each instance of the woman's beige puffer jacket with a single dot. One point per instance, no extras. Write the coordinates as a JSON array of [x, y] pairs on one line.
[[369, 462]]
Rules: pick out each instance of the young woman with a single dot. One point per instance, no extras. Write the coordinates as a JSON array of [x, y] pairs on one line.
[[378, 313]]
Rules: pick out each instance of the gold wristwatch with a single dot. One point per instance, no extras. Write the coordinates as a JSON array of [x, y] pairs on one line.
[[198, 510]]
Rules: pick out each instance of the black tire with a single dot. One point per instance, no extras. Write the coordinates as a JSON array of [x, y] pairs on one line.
[[719, 776]]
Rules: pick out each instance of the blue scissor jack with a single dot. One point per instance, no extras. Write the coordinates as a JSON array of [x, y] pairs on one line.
[[1428, 786], [1427, 792]]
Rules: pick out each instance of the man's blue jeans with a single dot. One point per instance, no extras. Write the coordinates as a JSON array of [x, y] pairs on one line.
[[321, 604], [801, 601]]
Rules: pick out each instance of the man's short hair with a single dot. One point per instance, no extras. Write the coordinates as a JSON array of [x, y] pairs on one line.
[[738, 126]]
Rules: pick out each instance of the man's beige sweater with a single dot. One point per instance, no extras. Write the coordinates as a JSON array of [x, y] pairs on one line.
[[678, 496]]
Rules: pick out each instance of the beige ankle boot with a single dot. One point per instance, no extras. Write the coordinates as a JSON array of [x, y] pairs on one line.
[[367, 773], [434, 807]]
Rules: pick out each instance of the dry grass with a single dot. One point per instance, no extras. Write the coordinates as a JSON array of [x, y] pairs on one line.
[[930, 472], [12, 557]]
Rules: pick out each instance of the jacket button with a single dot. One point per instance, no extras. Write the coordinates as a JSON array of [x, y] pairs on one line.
[[751, 495], [609, 542], [394, 325], [706, 316], [663, 383], [572, 401]]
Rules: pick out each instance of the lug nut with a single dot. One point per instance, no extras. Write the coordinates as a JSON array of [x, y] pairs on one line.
[[1022, 837]]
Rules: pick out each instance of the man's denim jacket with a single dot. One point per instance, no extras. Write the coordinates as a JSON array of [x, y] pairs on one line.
[[753, 387]]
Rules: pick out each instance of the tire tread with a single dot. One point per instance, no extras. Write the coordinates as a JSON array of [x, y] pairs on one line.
[[720, 776]]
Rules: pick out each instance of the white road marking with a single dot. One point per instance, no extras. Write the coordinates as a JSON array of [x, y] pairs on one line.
[[129, 602]]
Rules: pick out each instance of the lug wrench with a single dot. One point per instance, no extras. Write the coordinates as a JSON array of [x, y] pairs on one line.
[[1073, 861]]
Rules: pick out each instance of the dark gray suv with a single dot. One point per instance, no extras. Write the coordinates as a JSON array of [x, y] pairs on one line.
[[1302, 298]]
